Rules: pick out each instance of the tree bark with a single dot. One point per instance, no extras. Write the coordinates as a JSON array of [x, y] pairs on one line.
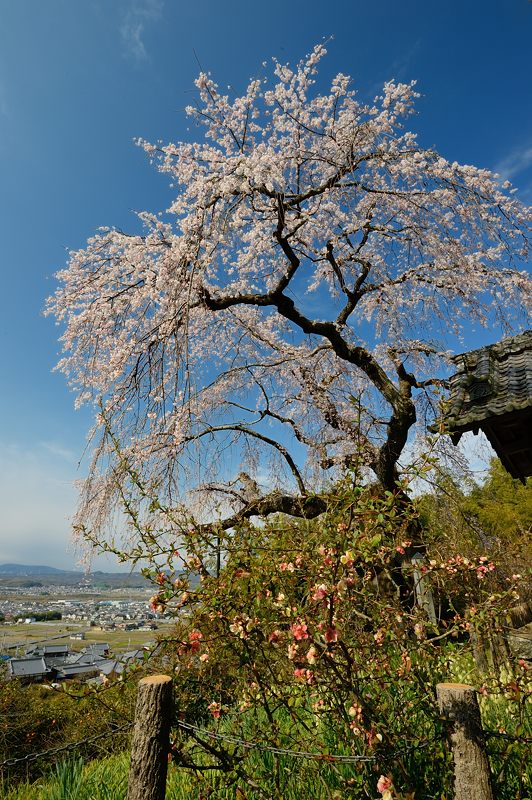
[[150, 745], [521, 615], [458, 703]]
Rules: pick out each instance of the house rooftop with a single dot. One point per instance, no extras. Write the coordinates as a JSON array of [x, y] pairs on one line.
[[71, 670], [96, 647], [27, 667], [49, 650]]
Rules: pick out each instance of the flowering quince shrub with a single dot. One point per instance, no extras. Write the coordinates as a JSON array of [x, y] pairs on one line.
[[298, 637]]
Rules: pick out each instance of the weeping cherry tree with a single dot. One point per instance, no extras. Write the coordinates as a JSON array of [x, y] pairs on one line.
[[291, 314]]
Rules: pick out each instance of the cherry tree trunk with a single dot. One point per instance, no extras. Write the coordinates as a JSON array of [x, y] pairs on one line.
[[149, 748], [458, 703]]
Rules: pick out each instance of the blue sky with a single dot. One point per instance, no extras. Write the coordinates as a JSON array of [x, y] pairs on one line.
[[79, 79]]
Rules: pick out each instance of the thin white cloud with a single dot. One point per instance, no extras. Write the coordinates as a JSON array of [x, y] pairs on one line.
[[401, 66], [515, 162], [140, 14], [399, 69], [58, 450]]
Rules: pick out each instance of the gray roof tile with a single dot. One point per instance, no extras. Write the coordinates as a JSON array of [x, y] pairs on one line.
[[490, 382], [27, 667]]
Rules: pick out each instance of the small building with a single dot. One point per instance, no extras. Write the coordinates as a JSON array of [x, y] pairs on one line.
[[85, 658], [50, 651], [53, 654], [492, 392]]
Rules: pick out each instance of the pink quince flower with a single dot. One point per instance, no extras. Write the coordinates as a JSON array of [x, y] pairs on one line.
[[299, 631], [385, 784], [215, 709], [348, 558], [306, 675], [292, 651], [341, 527], [194, 639], [379, 636], [320, 592], [286, 567], [331, 635]]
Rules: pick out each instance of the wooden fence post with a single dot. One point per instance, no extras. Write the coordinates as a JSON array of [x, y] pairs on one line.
[[151, 734], [458, 703], [422, 590]]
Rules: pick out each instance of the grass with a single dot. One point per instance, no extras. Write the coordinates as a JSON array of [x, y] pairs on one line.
[[272, 776], [72, 780], [107, 780]]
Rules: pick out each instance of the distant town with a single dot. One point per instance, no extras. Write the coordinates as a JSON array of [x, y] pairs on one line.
[[52, 631]]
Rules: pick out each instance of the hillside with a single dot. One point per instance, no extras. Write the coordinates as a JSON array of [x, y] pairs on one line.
[[32, 569]]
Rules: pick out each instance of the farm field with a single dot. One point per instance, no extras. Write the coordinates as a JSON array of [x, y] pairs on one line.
[[40, 632]]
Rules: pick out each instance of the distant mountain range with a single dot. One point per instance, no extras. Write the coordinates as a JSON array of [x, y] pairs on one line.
[[42, 569], [44, 575], [33, 569]]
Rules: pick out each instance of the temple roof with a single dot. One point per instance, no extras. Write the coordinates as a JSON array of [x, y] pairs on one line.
[[492, 391]]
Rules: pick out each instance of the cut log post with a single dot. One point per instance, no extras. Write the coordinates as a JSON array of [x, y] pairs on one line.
[[151, 734], [459, 705]]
